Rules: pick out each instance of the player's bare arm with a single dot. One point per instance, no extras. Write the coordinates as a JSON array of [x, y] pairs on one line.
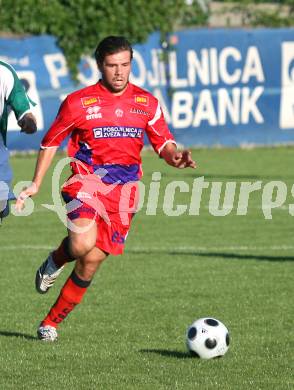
[[176, 158], [44, 160]]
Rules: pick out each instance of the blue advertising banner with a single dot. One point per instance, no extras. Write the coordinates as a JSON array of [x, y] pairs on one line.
[[216, 87]]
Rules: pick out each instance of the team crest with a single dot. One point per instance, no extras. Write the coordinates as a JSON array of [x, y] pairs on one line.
[[119, 113]]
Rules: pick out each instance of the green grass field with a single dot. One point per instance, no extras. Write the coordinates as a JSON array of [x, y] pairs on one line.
[[129, 332]]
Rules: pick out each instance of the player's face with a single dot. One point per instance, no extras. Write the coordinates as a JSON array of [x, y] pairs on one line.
[[115, 71]]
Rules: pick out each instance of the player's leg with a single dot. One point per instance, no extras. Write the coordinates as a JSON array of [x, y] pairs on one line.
[[81, 239], [82, 236], [72, 292], [5, 181], [4, 212], [82, 245], [110, 239]]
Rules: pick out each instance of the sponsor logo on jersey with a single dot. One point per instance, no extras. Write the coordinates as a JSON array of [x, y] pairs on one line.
[[90, 101], [117, 132], [138, 111], [119, 113], [142, 100], [93, 113]]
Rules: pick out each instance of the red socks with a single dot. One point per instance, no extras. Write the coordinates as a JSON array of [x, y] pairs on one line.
[[70, 295], [62, 255]]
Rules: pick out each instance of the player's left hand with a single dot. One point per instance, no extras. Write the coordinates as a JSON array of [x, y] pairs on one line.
[[25, 193], [28, 123], [183, 160]]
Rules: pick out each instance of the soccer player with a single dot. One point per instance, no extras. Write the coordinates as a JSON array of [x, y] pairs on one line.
[[106, 123], [12, 96]]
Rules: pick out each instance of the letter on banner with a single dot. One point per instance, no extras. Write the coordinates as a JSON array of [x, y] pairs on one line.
[[56, 65], [287, 86]]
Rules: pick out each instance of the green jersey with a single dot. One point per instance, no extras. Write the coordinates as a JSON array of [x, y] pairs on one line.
[[12, 94]]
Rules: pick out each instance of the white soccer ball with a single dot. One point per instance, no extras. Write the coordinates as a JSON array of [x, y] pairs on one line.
[[208, 338]]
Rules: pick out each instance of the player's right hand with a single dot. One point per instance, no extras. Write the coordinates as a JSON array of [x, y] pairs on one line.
[[183, 160], [25, 193]]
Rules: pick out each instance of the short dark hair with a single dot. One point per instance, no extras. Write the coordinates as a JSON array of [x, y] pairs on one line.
[[111, 45]]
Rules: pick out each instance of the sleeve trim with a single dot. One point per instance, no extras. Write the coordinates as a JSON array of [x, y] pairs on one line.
[[166, 142], [47, 147], [23, 114]]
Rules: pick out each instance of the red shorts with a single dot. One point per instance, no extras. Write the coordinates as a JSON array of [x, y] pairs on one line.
[[112, 207]]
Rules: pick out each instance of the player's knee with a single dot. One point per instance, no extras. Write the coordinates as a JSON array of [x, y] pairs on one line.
[[80, 246], [95, 258], [87, 265]]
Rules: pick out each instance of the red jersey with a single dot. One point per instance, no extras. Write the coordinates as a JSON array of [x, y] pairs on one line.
[[107, 131]]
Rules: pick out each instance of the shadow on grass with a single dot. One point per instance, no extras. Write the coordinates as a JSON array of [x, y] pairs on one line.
[[223, 255], [168, 353], [244, 256], [17, 334]]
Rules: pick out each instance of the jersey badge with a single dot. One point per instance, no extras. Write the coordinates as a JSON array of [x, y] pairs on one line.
[[90, 101], [141, 99]]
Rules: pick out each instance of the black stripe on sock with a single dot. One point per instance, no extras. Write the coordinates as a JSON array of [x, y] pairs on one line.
[[79, 282]]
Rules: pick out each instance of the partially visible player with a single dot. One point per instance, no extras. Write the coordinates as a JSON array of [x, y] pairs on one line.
[[12, 96], [106, 123]]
